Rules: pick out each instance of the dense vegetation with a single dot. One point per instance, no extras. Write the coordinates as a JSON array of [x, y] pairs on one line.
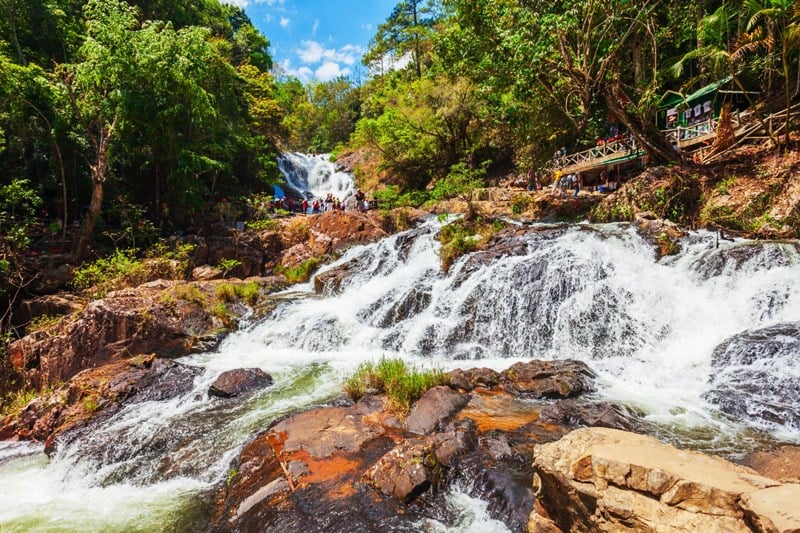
[[135, 119]]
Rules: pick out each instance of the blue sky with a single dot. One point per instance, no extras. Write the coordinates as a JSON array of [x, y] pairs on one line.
[[317, 39]]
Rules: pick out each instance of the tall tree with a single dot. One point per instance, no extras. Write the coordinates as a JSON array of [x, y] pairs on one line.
[[404, 34]]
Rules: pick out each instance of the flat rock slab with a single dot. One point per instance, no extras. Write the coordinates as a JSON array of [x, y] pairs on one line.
[[235, 382], [607, 479]]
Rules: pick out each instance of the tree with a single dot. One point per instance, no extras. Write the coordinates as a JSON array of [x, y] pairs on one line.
[[405, 32], [780, 22]]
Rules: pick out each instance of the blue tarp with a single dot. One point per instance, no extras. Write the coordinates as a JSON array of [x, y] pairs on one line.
[[279, 192]]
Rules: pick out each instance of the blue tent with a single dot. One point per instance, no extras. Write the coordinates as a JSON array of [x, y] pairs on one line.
[[279, 192]]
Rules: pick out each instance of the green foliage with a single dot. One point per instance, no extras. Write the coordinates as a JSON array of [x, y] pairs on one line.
[[229, 292], [99, 274], [18, 205], [464, 236], [723, 186], [300, 273], [191, 293], [14, 403], [402, 383], [387, 197], [460, 180], [124, 268], [413, 199], [226, 265], [43, 323]]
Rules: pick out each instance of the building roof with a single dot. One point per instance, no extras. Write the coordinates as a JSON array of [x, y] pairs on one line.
[[673, 99]]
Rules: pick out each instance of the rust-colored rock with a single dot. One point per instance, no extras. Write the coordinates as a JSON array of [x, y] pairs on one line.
[[548, 379], [98, 390], [168, 318], [433, 408]]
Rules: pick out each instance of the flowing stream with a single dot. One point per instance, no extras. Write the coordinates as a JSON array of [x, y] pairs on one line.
[[648, 328]]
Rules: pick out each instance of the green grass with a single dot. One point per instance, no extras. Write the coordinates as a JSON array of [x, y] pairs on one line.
[[301, 272], [402, 383]]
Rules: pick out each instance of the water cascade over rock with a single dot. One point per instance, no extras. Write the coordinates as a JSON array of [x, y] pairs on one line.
[[659, 334], [314, 176]]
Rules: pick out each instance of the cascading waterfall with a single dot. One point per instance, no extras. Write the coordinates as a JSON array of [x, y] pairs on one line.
[[648, 328], [314, 176]]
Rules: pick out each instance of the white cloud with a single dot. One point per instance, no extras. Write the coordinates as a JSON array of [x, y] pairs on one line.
[[285, 22], [315, 28], [330, 70], [268, 18], [312, 52], [241, 3], [270, 2]]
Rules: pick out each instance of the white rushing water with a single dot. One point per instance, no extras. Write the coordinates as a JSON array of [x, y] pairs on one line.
[[648, 328], [314, 176]]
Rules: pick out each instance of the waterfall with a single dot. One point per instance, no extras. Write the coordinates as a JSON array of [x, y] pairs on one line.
[[647, 326], [314, 176]]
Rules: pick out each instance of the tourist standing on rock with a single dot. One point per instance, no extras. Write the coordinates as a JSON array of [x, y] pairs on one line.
[[576, 184]]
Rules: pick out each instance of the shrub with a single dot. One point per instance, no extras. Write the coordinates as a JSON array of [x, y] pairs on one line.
[[460, 180], [403, 384], [225, 292], [387, 197], [226, 265], [249, 292], [413, 199]]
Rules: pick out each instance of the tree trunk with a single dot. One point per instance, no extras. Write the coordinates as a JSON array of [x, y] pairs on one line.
[[649, 138], [99, 171]]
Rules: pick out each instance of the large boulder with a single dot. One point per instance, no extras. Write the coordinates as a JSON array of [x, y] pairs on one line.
[[756, 375], [169, 318], [548, 379], [434, 407], [96, 391], [235, 382], [600, 479]]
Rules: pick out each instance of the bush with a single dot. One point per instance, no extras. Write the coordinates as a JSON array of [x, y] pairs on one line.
[[387, 198], [403, 384], [124, 269], [460, 180], [413, 199]]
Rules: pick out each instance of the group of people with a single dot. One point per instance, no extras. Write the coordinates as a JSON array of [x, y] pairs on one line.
[[567, 181], [316, 206]]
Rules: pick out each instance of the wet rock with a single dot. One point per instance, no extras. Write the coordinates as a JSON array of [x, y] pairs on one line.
[[330, 281], [235, 382], [733, 257], [574, 413], [755, 375], [99, 391], [782, 463], [433, 408], [412, 467], [548, 379], [607, 480], [473, 378], [664, 235]]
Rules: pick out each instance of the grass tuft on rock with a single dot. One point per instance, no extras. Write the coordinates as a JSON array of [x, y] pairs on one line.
[[401, 382]]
